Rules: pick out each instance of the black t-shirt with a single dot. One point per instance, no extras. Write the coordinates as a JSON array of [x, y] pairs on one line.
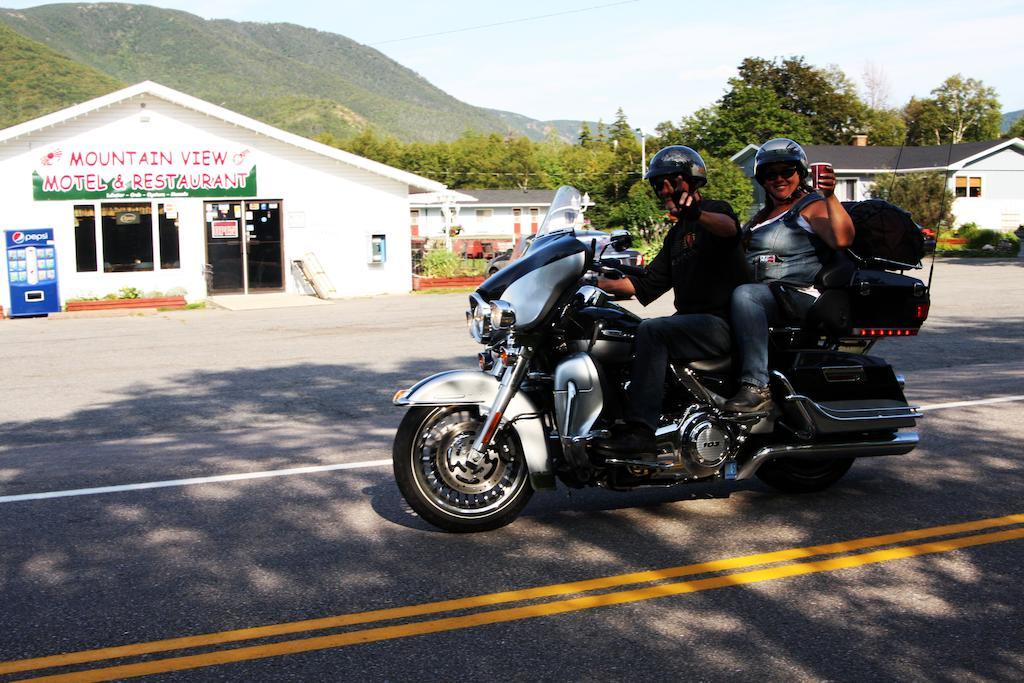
[[701, 268]]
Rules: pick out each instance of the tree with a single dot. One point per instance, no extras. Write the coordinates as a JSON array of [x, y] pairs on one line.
[[586, 138], [1016, 129], [876, 86], [959, 110], [644, 216], [924, 195], [884, 126], [825, 98], [745, 115], [728, 182]]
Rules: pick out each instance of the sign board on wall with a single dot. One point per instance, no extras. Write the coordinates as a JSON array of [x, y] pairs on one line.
[[135, 172], [224, 229]]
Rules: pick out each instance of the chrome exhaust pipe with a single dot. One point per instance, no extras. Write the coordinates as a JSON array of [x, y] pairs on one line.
[[899, 444]]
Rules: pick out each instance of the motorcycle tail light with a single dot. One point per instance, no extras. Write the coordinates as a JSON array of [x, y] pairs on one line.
[[885, 331], [921, 312]]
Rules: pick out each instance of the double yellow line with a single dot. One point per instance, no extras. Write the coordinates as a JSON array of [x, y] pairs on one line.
[[844, 554]]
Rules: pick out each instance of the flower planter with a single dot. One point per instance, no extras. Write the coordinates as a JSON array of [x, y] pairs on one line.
[[420, 283], [102, 304]]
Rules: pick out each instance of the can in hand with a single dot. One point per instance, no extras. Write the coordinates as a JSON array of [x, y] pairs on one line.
[[816, 170]]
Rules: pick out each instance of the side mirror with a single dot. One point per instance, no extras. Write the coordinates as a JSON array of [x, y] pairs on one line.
[[621, 240]]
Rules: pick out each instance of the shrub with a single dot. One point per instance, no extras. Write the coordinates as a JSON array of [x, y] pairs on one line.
[[440, 263], [978, 238], [128, 293], [967, 231], [471, 267]]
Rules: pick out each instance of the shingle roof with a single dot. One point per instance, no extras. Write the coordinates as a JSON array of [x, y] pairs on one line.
[[512, 197], [889, 158]]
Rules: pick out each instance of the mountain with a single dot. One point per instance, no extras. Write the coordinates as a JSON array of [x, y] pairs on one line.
[[303, 80], [35, 80], [1008, 119]]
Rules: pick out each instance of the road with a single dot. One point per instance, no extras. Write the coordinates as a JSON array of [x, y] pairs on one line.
[[909, 569]]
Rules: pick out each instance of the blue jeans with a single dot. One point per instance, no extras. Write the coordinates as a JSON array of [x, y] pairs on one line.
[[754, 309], [686, 337]]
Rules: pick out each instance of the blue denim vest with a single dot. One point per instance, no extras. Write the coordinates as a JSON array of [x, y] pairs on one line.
[[782, 251]]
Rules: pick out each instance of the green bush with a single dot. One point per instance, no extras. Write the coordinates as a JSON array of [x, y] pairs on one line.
[[473, 267], [978, 238], [440, 263], [128, 293], [966, 231]]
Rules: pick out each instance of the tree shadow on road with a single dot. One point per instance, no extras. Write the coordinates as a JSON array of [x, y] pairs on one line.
[[97, 569]]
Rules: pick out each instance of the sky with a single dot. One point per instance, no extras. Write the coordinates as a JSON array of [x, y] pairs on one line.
[[657, 60]]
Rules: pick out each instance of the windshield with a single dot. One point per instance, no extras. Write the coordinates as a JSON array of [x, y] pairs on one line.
[[565, 213]]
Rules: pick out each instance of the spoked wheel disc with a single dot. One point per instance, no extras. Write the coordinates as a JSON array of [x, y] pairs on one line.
[[445, 483]]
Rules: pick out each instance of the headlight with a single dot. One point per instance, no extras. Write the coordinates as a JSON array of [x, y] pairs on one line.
[[478, 319], [503, 316]]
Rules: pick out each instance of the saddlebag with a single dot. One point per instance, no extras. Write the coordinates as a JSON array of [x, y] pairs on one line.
[[831, 392], [886, 304]]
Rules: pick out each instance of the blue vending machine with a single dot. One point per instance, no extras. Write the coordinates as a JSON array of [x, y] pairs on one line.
[[32, 272]]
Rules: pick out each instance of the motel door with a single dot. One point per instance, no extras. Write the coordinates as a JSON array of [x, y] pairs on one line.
[[243, 246]]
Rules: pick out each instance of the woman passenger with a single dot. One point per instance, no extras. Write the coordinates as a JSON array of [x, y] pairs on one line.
[[784, 243]]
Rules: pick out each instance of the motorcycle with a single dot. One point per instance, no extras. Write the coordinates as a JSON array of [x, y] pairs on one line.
[[475, 444]]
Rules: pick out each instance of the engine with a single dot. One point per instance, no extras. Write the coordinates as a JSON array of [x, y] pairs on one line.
[[703, 443]]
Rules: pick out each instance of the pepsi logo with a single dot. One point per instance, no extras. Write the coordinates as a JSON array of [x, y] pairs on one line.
[[19, 237]]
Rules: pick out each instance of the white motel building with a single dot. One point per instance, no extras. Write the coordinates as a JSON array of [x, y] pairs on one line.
[[156, 190]]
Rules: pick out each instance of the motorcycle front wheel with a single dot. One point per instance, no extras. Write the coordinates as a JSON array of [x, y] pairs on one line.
[[448, 488]]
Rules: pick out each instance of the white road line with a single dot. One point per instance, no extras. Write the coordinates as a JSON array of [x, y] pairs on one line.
[[195, 480], [979, 402], [327, 468]]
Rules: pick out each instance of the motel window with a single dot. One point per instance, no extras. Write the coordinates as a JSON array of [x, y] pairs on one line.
[[968, 186], [170, 251], [85, 238], [127, 237], [484, 216]]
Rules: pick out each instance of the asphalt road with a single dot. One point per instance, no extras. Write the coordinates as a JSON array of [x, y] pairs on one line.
[[258, 573]]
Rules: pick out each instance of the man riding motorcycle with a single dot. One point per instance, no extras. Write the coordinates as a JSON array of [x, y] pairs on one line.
[[701, 260]]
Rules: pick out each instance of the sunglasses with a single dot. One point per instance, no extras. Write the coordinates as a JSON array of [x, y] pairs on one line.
[[657, 181], [784, 172]]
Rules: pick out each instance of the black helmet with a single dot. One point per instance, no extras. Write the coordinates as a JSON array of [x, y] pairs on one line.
[[781, 150], [678, 159]]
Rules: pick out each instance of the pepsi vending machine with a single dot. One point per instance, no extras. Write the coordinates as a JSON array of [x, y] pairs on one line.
[[32, 272]]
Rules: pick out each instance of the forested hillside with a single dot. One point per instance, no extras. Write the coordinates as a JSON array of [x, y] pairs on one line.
[[35, 80], [306, 81]]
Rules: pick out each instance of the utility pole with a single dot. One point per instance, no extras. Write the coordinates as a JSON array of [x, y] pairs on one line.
[[643, 153]]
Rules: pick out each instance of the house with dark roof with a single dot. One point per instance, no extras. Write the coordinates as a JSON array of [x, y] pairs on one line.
[[986, 178], [500, 215]]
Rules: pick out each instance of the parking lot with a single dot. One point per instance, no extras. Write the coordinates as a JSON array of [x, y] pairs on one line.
[[242, 462]]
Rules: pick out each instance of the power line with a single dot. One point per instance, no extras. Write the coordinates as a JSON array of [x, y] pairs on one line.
[[502, 23]]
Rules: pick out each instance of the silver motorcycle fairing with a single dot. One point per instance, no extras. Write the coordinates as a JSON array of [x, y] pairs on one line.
[[535, 294], [473, 387], [578, 395]]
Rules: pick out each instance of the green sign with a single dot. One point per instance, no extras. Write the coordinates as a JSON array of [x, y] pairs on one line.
[[149, 185]]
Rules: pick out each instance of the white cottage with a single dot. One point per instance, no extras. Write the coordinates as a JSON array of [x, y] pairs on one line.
[[156, 190], [986, 178]]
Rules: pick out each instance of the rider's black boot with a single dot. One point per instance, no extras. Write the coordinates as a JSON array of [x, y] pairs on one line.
[[749, 399]]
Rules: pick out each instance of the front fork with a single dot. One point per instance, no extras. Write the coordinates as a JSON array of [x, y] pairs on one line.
[[508, 386]]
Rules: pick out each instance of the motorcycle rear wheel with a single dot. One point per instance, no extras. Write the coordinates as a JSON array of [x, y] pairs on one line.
[[793, 475], [443, 485]]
